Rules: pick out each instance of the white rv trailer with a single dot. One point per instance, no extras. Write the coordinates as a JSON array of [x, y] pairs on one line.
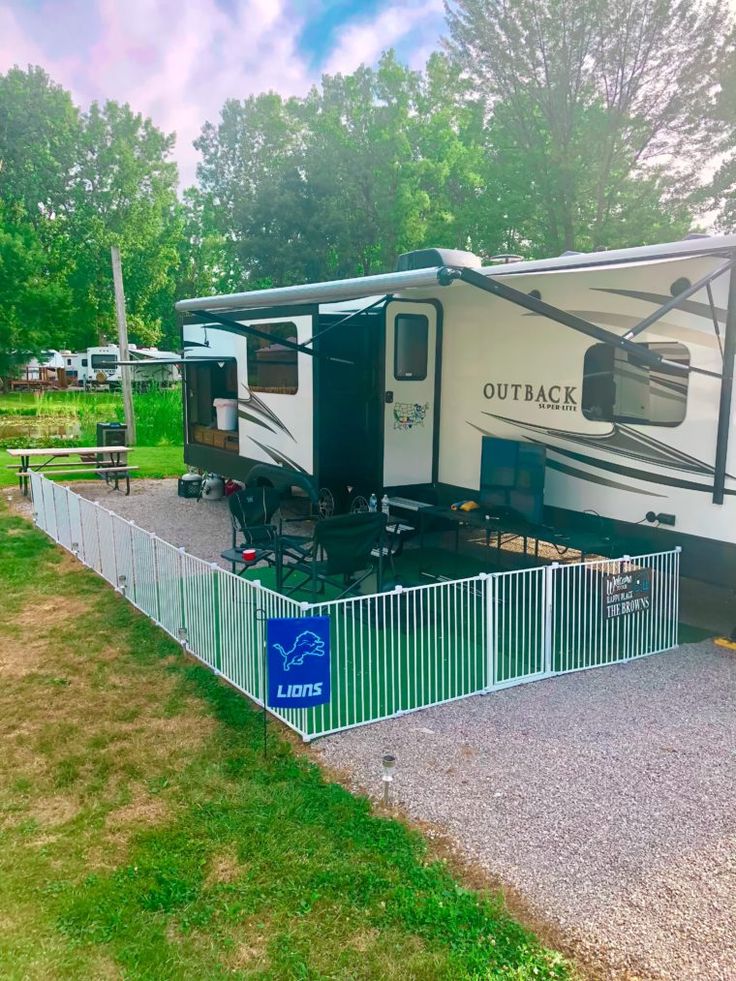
[[620, 363], [50, 360], [101, 366]]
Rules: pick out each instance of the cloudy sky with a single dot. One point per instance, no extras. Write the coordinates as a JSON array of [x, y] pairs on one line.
[[178, 60]]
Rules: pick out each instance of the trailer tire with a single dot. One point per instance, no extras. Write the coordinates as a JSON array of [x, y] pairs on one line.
[[326, 502]]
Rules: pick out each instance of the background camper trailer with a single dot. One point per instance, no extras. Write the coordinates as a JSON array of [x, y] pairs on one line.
[[619, 364]]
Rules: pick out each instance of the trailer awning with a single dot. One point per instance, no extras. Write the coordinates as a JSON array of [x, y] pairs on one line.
[[162, 361], [330, 292], [334, 291]]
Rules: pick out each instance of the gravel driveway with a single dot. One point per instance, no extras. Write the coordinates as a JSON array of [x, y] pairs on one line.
[[606, 798], [203, 527]]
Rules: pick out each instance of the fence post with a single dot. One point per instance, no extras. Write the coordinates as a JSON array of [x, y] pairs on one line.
[[154, 539], [56, 517], [134, 591], [97, 533], [550, 572], [490, 589], [182, 601], [216, 615]]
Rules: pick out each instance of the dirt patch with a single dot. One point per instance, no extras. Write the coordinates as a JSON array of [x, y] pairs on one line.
[[32, 629], [224, 868], [364, 939], [143, 809], [54, 811], [250, 944]]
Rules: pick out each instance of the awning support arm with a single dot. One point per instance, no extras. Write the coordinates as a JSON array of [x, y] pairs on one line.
[[677, 300], [488, 284], [350, 316], [207, 317], [724, 408]]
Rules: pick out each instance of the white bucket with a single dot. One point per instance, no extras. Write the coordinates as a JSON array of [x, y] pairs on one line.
[[227, 413]]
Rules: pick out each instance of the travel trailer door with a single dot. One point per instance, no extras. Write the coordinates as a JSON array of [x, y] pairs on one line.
[[409, 393]]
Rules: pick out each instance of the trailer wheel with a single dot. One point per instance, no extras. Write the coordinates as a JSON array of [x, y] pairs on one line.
[[326, 503], [359, 505]]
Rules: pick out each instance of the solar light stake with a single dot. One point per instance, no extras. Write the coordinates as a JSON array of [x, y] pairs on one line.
[[389, 762]]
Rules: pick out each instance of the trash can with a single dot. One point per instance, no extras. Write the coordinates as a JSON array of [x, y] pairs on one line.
[[111, 434], [227, 413]]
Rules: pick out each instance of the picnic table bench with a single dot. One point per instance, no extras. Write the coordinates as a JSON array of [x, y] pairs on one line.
[[110, 462]]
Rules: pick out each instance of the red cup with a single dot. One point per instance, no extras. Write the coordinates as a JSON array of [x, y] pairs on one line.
[[249, 555]]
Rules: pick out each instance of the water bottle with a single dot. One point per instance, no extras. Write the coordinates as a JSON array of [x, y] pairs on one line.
[[385, 505], [373, 503]]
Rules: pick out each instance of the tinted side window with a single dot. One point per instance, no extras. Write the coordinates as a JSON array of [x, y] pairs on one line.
[[106, 361], [411, 347], [617, 387], [272, 366]]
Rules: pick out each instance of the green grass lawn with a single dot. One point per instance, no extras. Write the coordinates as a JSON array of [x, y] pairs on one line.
[[152, 461], [143, 835]]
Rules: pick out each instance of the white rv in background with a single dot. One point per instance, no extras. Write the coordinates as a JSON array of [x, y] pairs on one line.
[[621, 364], [100, 366], [50, 359]]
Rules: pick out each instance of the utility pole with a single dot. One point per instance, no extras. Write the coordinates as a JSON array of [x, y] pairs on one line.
[[125, 370]]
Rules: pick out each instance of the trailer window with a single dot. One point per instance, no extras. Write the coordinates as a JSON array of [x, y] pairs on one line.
[[617, 387], [411, 347], [272, 366], [105, 361]]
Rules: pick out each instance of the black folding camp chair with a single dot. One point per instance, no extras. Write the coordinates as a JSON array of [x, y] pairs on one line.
[[341, 554], [251, 515]]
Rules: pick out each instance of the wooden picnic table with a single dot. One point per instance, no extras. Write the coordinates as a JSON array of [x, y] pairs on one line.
[[109, 462]]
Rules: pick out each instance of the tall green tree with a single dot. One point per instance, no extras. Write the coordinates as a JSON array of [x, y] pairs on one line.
[[39, 143], [124, 193], [594, 97], [36, 308]]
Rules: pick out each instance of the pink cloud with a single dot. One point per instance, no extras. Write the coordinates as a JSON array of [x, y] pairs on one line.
[[177, 61]]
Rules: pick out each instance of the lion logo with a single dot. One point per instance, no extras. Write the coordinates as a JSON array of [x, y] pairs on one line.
[[307, 644]]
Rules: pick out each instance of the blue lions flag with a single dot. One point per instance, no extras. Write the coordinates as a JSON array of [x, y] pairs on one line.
[[298, 652]]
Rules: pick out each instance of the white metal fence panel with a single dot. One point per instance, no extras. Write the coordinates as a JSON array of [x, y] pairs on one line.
[[242, 653], [90, 553], [75, 523], [122, 539], [60, 496], [399, 651], [518, 613], [390, 653], [145, 581], [105, 536], [581, 635], [199, 595], [47, 489], [170, 589]]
